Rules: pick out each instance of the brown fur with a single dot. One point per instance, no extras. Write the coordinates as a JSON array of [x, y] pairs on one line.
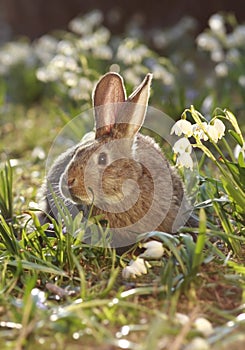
[[121, 173]]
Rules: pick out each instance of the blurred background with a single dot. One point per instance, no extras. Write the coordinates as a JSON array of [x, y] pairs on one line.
[[53, 52], [33, 18]]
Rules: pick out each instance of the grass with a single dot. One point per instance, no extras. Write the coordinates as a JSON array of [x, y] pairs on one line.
[[60, 293]]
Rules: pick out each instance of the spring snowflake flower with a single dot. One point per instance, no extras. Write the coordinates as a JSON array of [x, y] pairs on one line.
[[185, 161], [182, 126], [216, 130], [198, 131], [135, 268], [182, 146], [183, 149], [154, 250], [239, 149]]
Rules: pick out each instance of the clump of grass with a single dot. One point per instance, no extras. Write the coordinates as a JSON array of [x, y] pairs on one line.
[[6, 191], [60, 292]]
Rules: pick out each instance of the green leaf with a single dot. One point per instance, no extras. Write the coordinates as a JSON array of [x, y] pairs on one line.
[[198, 255], [236, 136], [241, 160], [6, 193], [234, 194], [232, 119], [38, 267]]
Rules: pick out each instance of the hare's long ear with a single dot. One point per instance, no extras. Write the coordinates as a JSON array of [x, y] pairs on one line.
[[108, 92], [133, 114]]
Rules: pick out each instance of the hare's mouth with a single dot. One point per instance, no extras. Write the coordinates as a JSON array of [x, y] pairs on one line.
[[80, 199]]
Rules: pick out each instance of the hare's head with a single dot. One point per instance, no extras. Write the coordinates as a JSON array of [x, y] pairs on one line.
[[105, 171]]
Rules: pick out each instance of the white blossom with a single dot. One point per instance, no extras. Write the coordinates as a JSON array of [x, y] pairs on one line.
[[207, 42], [197, 343], [82, 91], [183, 149], [239, 36], [66, 48], [79, 26], [160, 72], [221, 69], [185, 160], [241, 80], [216, 23], [135, 268], [45, 48], [94, 18], [182, 318], [216, 130], [182, 126], [198, 131], [239, 149], [217, 55], [64, 62], [204, 326], [154, 250], [48, 73], [14, 53], [103, 52], [182, 146], [70, 79], [131, 52]]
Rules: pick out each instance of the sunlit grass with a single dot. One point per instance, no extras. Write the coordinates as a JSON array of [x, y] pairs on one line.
[[57, 291]]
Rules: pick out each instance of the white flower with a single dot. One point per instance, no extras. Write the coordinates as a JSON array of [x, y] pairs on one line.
[[207, 42], [185, 160], [197, 343], [66, 48], [182, 126], [198, 131], [216, 130], [241, 80], [79, 26], [64, 62], [103, 51], [182, 146], [221, 69], [70, 78], [216, 23], [154, 250], [135, 268], [131, 52], [203, 326], [94, 18], [160, 72], [48, 73], [239, 149], [217, 55], [239, 36], [182, 318], [220, 127]]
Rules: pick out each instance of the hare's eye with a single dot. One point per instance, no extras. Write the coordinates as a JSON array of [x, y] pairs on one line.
[[102, 159]]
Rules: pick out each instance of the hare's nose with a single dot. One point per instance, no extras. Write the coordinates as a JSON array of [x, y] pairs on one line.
[[71, 182]]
